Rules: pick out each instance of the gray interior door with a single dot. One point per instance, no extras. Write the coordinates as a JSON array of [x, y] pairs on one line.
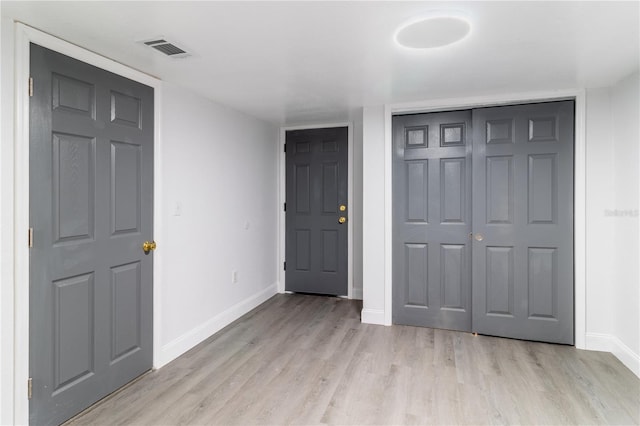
[[316, 241], [91, 185], [432, 220], [514, 229], [523, 221]]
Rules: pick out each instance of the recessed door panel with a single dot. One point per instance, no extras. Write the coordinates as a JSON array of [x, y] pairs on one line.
[[73, 187], [452, 190], [499, 177], [303, 188], [416, 281], [126, 110], [543, 129], [316, 226], [125, 187], [330, 188], [330, 250], [542, 189], [454, 281], [73, 330], [542, 281], [499, 295], [417, 198], [91, 208], [73, 95], [125, 310], [303, 249]]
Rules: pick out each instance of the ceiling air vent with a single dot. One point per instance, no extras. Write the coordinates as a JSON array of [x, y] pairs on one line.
[[166, 47]]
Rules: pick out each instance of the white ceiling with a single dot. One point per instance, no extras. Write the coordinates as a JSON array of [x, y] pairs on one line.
[[298, 62]]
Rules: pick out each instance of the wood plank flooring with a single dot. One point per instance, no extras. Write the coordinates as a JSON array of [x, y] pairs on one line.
[[308, 360]]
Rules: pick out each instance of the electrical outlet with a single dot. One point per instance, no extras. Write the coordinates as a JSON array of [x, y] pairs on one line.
[[234, 277]]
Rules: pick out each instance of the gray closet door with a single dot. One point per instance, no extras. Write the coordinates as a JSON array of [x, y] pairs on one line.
[[316, 241], [523, 221], [91, 185], [432, 220]]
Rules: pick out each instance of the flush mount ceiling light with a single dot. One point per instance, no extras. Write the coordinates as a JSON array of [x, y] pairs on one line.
[[432, 31]]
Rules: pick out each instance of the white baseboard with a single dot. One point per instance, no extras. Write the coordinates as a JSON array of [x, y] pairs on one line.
[[609, 343], [357, 294], [182, 344], [373, 316]]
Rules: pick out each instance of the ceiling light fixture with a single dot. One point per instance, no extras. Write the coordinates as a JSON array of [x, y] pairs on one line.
[[431, 31]]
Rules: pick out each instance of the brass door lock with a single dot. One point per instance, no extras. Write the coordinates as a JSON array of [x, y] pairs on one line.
[[342, 220], [147, 246]]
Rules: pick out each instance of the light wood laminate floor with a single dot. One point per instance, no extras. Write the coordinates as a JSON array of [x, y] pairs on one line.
[[301, 359]]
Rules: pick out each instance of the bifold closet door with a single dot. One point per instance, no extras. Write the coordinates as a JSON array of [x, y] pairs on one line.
[[483, 221], [523, 221]]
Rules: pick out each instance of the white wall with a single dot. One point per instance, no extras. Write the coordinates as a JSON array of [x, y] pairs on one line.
[[600, 196], [220, 174], [626, 261], [373, 219], [6, 223], [613, 256]]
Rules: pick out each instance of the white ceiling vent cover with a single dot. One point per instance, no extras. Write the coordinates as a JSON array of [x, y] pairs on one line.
[[168, 48]]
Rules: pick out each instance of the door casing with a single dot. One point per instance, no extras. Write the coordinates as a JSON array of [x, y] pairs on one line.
[[579, 202], [25, 35], [282, 190]]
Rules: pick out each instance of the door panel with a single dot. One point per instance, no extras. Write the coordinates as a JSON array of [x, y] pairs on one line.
[[91, 185], [523, 208], [431, 220], [316, 244]]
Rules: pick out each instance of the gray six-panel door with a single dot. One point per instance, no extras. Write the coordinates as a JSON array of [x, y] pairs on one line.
[[494, 256], [316, 193], [523, 221], [432, 220], [91, 185]]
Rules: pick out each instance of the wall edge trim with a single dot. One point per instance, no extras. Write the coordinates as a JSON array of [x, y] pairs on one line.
[[373, 316], [609, 343]]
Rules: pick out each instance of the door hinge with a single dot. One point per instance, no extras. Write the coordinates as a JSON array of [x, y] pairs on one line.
[[285, 266], [29, 387], [285, 207], [30, 86], [30, 237], [285, 147]]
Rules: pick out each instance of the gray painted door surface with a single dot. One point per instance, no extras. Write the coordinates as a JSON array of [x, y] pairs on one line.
[[316, 243], [91, 185], [523, 214], [521, 222], [432, 220]]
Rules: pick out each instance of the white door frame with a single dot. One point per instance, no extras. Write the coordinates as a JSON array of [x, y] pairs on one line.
[[579, 184], [24, 35], [282, 197]]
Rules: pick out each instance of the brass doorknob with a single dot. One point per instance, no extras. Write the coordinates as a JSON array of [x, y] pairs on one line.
[[147, 246], [342, 208], [478, 237], [342, 220]]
